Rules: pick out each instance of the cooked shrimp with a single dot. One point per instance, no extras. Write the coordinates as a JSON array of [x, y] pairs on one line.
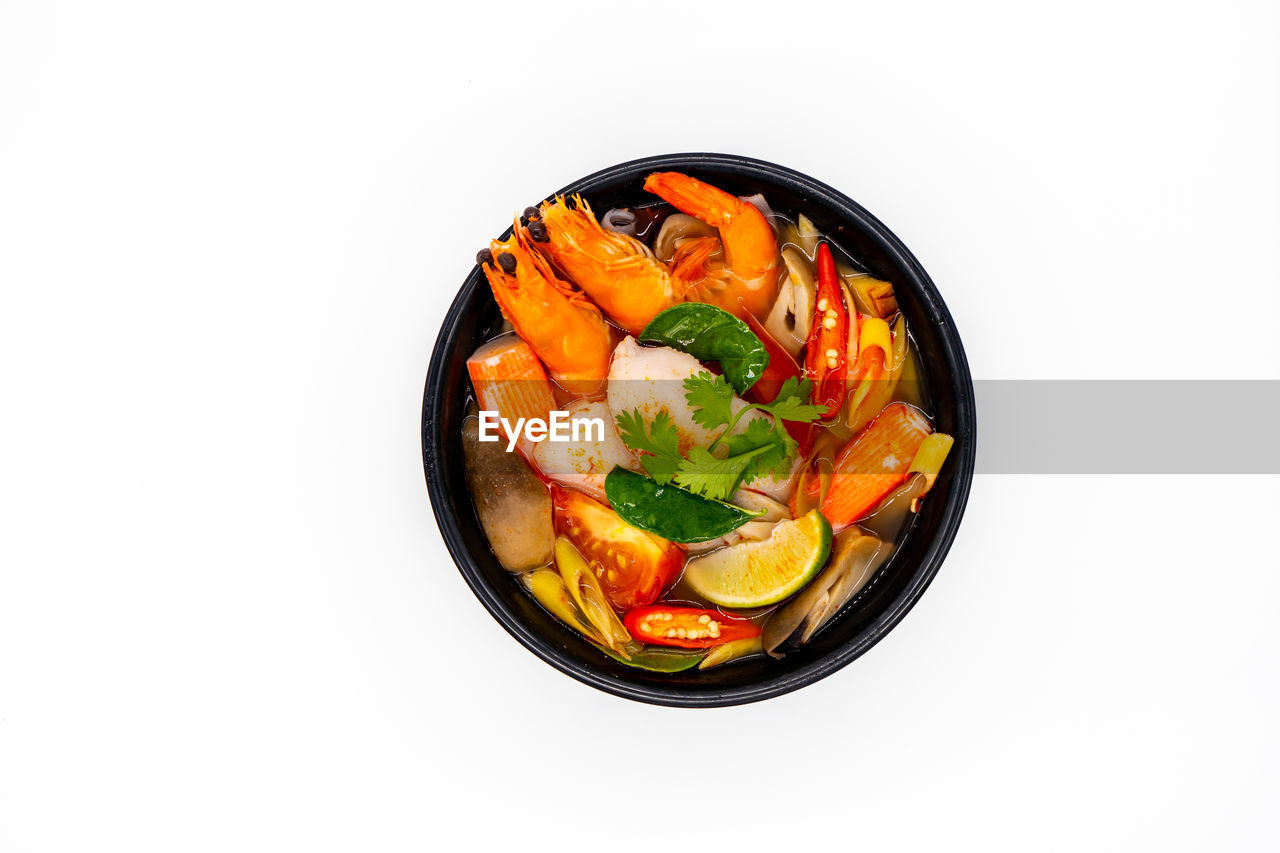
[[618, 272], [562, 326], [747, 281]]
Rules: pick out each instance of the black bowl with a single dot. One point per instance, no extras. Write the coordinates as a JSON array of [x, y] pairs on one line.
[[876, 609]]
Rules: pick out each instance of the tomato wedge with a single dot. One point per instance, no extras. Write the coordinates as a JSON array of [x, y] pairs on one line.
[[826, 357], [687, 627], [633, 565]]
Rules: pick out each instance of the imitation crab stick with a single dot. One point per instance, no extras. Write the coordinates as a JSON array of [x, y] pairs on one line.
[[874, 463], [510, 380]]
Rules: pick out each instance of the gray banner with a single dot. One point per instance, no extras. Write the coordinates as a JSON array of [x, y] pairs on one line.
[[1128, 427]]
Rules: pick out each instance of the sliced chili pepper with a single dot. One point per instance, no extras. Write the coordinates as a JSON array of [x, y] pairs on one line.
[[826, 358], [687, 627]]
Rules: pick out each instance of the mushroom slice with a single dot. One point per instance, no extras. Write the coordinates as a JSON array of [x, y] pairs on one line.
[[676, 228], [791, 317], [854, 560]]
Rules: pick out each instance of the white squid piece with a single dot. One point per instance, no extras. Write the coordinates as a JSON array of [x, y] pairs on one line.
[[651, 379], [583, 464]]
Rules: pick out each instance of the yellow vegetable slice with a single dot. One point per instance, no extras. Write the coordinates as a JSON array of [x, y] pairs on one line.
[[584, 588], [547, 587], [731, 651], [930, 456]]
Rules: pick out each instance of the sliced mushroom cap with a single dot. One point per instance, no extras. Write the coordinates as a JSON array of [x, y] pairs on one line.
[[513, 505], [854, 560], [867, 554], [791, 317], [676, 228]]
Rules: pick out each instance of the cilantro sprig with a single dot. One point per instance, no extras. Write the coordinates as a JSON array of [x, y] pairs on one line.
[[763, 447]]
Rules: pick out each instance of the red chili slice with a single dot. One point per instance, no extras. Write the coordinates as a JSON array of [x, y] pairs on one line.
[[687, 627], [826, 358]]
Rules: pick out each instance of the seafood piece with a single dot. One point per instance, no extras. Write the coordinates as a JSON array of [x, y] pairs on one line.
[[562, 326], [584, 463], [651, 379], [747, 280], [618, 272], [510, 380], [874, 463]]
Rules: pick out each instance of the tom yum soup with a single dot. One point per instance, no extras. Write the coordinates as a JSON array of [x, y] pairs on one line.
[[702, 429]]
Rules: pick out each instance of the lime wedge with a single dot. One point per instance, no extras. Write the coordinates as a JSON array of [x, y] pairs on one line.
[[753, 574]]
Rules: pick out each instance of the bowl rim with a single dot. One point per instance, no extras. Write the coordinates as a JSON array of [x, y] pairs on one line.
[[671, 695]]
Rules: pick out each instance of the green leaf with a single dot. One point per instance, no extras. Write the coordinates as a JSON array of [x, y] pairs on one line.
[[792, 402], [715, 478], [759, 432], [771, 447], [661, 443], [711, 399], [709, 333], [657, 659], [670, 512]]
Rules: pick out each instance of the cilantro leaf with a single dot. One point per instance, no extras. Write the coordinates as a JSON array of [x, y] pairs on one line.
[[758, 433], [711, 399], [715, 478], [792, 402], [776, 448], [660, 442]]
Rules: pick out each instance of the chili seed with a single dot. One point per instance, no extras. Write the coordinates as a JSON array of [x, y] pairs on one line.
[[508, 262]]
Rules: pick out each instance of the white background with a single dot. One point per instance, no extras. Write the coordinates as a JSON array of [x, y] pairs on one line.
[[228, 234]]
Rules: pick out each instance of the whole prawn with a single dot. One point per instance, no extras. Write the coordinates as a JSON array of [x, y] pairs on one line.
[[747, 279], [561, 325], [618, 272]]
